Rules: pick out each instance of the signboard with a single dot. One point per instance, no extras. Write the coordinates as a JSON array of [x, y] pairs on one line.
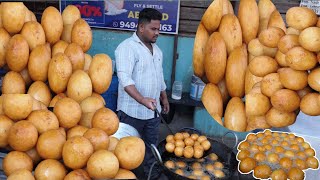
[[124, 14], [312, 4]]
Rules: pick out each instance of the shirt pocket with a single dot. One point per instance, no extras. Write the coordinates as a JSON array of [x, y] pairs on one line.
[[158, 63], [140, 65]]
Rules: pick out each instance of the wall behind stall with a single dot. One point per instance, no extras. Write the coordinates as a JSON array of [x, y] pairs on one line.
[[184, 68], [106, 41]]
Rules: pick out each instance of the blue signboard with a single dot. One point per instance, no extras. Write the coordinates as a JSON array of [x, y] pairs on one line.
[[124, 14]]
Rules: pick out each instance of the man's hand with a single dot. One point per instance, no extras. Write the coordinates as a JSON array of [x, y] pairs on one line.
[[148, 102], [166, 107], [134, 93]]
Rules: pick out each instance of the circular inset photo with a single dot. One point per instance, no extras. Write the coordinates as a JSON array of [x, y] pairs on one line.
[[276, 155], [259, 71]]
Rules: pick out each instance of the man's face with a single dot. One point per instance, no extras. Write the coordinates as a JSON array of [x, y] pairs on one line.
[[150, 31]]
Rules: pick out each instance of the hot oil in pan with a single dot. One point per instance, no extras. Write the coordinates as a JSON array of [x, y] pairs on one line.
[[190, 167], [225, 154]]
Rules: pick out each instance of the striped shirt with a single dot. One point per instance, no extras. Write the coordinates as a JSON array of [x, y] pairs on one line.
[[137, 66]]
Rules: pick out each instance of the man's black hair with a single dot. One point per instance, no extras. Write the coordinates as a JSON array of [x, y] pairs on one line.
[[148, 14]]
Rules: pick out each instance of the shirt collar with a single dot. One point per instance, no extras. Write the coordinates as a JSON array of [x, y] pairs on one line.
[[137, 39]]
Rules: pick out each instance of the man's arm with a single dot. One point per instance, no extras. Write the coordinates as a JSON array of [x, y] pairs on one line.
[[163, 94], [165, 102], [134, 93]]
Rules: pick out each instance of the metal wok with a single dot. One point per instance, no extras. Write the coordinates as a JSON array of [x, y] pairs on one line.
[[224, 153]]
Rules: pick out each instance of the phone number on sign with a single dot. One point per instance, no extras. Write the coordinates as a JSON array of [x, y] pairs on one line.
[[132, 25]]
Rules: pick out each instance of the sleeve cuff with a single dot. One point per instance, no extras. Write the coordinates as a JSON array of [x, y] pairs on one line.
[[127, 82], [163, 86]]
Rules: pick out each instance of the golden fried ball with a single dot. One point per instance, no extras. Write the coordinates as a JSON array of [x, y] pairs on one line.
[[192, 177], [295, 174], [285, 163], [243, 145], [180, 172], [278, 138], [196, 143], [218, 165], [198, 152], [262, 148], [205, 177], [264, 141], [254, 148], [268, 147], [283, 135], [312, 162], [251, 137], [269, 137], [198, 147], [198, 172], [188, 152], [213, 156], [196, 165], [243, 154], [279, 174], [259, 157], [260, 135], [206, 145], [279, 150], [201, 138], [309, 152], [188, 141], [267, 132], [294, 141], [291, 136], [178, 136], [289, 154], [274, 142], [305, 145], [247, 165], [295, 147], [170, 164], [201, 160], [185, 135], [181, 164], [275, 134], [179, 143], [273, 158], [284, 144], [300, 139], [178, 151], [301, 164], [262, 171], [286, 139], [170, 138], [170, 147], [209, 167], [301, 155], [194, 136], [218, 173]]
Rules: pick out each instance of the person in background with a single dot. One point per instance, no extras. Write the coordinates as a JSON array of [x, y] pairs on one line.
[[141, 82]]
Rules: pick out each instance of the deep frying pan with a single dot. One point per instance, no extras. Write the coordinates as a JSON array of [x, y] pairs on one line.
[[225, 154]]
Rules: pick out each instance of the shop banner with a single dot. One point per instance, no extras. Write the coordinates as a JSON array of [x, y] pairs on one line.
[[312, 4], [124, 14]]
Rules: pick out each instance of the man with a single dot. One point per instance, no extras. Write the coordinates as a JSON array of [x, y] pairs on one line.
[[141, 82]]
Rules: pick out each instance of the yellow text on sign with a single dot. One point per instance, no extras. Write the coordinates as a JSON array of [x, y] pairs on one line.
[[135, 15]]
